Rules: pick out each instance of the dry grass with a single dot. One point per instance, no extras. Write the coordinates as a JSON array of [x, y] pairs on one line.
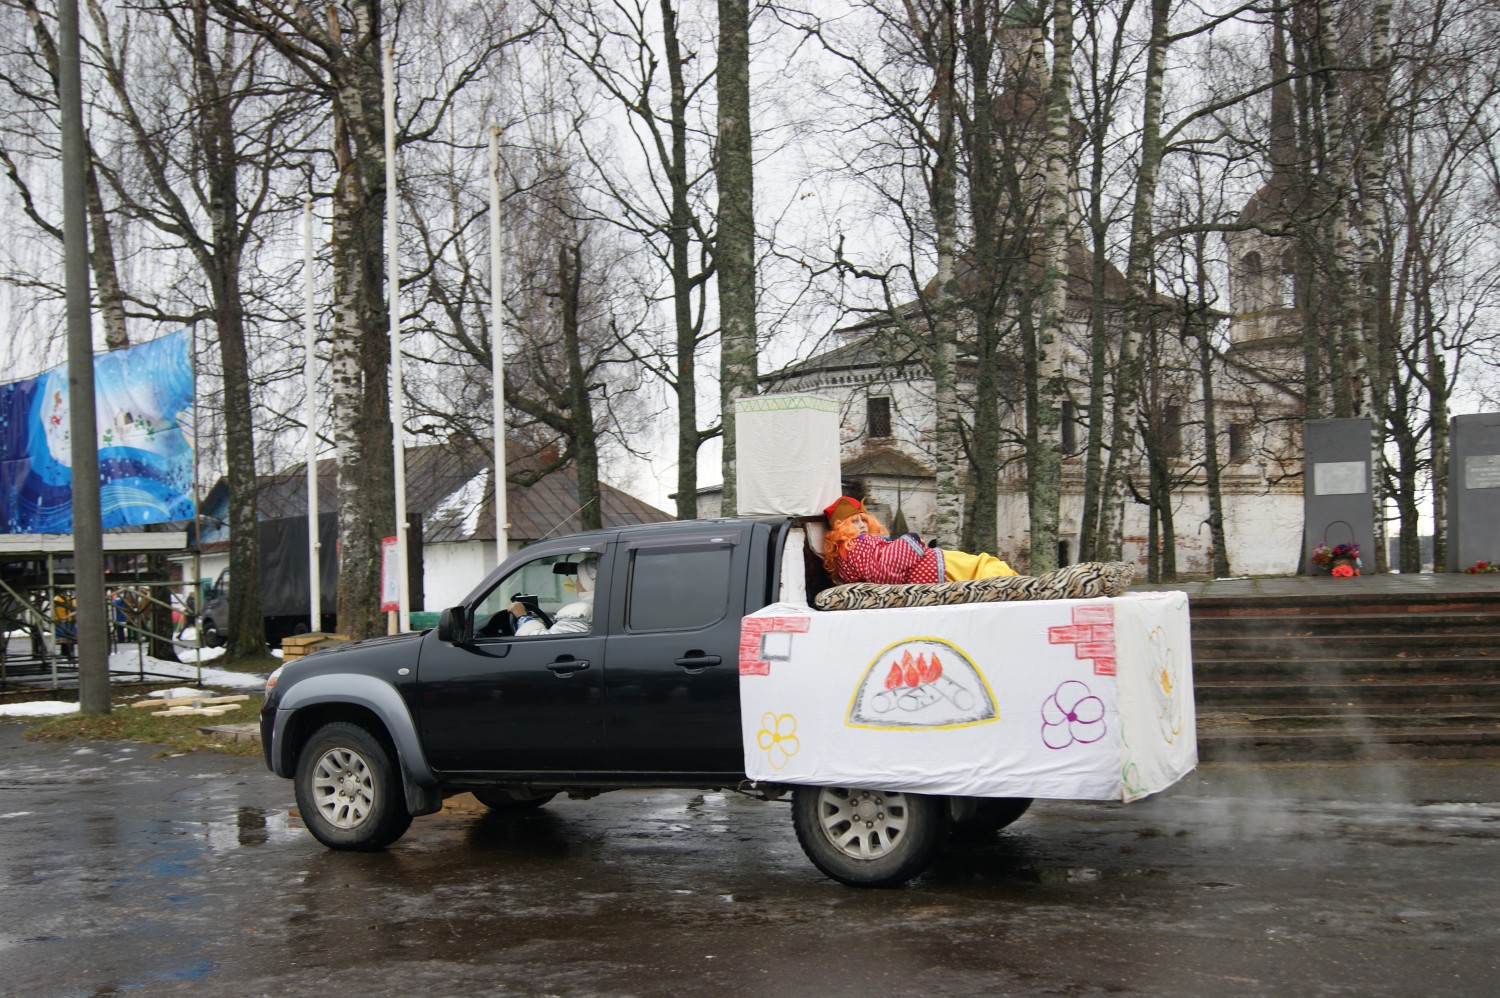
[[125, 723], [261, 664]]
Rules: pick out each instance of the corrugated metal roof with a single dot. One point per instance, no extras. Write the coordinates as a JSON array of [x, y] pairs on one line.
[[450, 486]]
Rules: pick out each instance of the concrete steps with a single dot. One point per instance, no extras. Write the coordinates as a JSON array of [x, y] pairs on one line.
[[1323, 672]]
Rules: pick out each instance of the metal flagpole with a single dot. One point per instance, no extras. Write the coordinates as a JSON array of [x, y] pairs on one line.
[[310, 387], [497, 350], [197, 622], [393, 298]]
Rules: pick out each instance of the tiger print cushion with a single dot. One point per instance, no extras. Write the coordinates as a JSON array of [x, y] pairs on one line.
[[1084, 580]]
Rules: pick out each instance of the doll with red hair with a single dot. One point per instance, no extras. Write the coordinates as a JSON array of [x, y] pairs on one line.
[[858, 549]]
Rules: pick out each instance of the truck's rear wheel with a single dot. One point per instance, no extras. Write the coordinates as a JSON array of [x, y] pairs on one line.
[[869, 838], [990, 814], [348, 791]]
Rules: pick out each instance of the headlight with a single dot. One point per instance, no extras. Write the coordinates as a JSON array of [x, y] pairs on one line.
[[271, 679]]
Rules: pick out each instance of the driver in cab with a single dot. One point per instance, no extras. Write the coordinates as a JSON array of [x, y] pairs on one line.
[[576, 617]]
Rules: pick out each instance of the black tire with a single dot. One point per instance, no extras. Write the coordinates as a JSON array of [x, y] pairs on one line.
[[991, 815], [211, 636], [869, 838], [348, 790], [499, 800]]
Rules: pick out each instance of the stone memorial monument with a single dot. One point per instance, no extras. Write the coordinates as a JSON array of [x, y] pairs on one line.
[[1474, 490], [1336, 489]]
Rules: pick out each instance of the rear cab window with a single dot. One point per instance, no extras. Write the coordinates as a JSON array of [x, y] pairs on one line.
[[683, 584]]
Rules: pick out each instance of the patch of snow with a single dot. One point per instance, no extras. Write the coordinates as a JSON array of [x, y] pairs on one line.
[[126, 663], [191, 654], [37, 708], [176, 691], [463, 504]]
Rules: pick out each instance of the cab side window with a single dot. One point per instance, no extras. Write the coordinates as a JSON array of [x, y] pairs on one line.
[[554, 581], [679, 588]]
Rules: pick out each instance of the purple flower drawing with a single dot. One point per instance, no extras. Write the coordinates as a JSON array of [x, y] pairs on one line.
[[1072, 714]]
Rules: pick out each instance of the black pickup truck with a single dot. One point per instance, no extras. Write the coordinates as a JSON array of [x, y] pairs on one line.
[[627, 677]]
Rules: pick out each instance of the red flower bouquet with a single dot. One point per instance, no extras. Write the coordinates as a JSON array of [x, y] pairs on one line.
[[1340, 561]]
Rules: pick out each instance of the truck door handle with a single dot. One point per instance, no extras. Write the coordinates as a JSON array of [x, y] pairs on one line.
[[567, 665], [697, 660]]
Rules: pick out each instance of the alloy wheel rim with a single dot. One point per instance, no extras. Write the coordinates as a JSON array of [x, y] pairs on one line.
[[862, 824], [343, 788]]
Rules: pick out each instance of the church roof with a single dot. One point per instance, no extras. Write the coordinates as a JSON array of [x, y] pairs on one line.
[[886, 461], [1283, 199], [862, 353]]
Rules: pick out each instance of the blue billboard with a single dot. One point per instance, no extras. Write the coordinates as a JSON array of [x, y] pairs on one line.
[[145, 431]]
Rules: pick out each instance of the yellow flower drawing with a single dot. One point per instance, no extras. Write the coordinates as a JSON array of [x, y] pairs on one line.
[[777, 738], [1164, 680]]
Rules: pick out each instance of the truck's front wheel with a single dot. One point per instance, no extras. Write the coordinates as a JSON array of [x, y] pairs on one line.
[[869, 838], [348, 790]]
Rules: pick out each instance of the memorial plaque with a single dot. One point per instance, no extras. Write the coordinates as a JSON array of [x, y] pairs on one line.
[[1337, 506], [1482, 471], [1473, 490], [1339, 478]]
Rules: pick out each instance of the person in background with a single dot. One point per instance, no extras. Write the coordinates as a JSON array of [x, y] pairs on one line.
[[135, 603], [65, 627], [117, 615], [857, 549], [186, 617]]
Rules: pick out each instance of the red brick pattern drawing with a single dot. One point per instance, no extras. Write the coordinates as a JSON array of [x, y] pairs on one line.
[[753, 659], [1092, 634]]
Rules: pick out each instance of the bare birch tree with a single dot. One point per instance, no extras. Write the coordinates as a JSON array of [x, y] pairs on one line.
[[639, 58], [734, 173], [1045, 491], [210, 179], [108, 289], [338, 52]]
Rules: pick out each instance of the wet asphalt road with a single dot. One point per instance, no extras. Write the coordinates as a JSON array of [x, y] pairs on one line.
[[128, 873]]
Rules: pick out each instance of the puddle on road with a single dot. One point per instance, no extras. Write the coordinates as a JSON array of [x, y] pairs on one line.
[[251, 826], [1067, 875]]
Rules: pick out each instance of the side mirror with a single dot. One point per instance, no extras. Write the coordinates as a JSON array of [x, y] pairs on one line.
[[455, 627]]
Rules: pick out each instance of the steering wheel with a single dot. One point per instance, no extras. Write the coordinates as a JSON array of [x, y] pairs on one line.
[[533, 608]]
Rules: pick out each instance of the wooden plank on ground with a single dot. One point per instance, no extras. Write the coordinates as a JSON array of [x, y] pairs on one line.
[[196, 711], [311, 638], [189, 701], [169, 702]]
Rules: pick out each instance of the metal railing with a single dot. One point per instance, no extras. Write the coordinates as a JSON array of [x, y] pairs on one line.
[[42, 615]]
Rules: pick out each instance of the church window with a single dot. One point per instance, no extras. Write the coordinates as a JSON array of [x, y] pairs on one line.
[[877, 417], [1251, 296], [1287, 288], [1239, 441], [1171, 431], [1069, 428]]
